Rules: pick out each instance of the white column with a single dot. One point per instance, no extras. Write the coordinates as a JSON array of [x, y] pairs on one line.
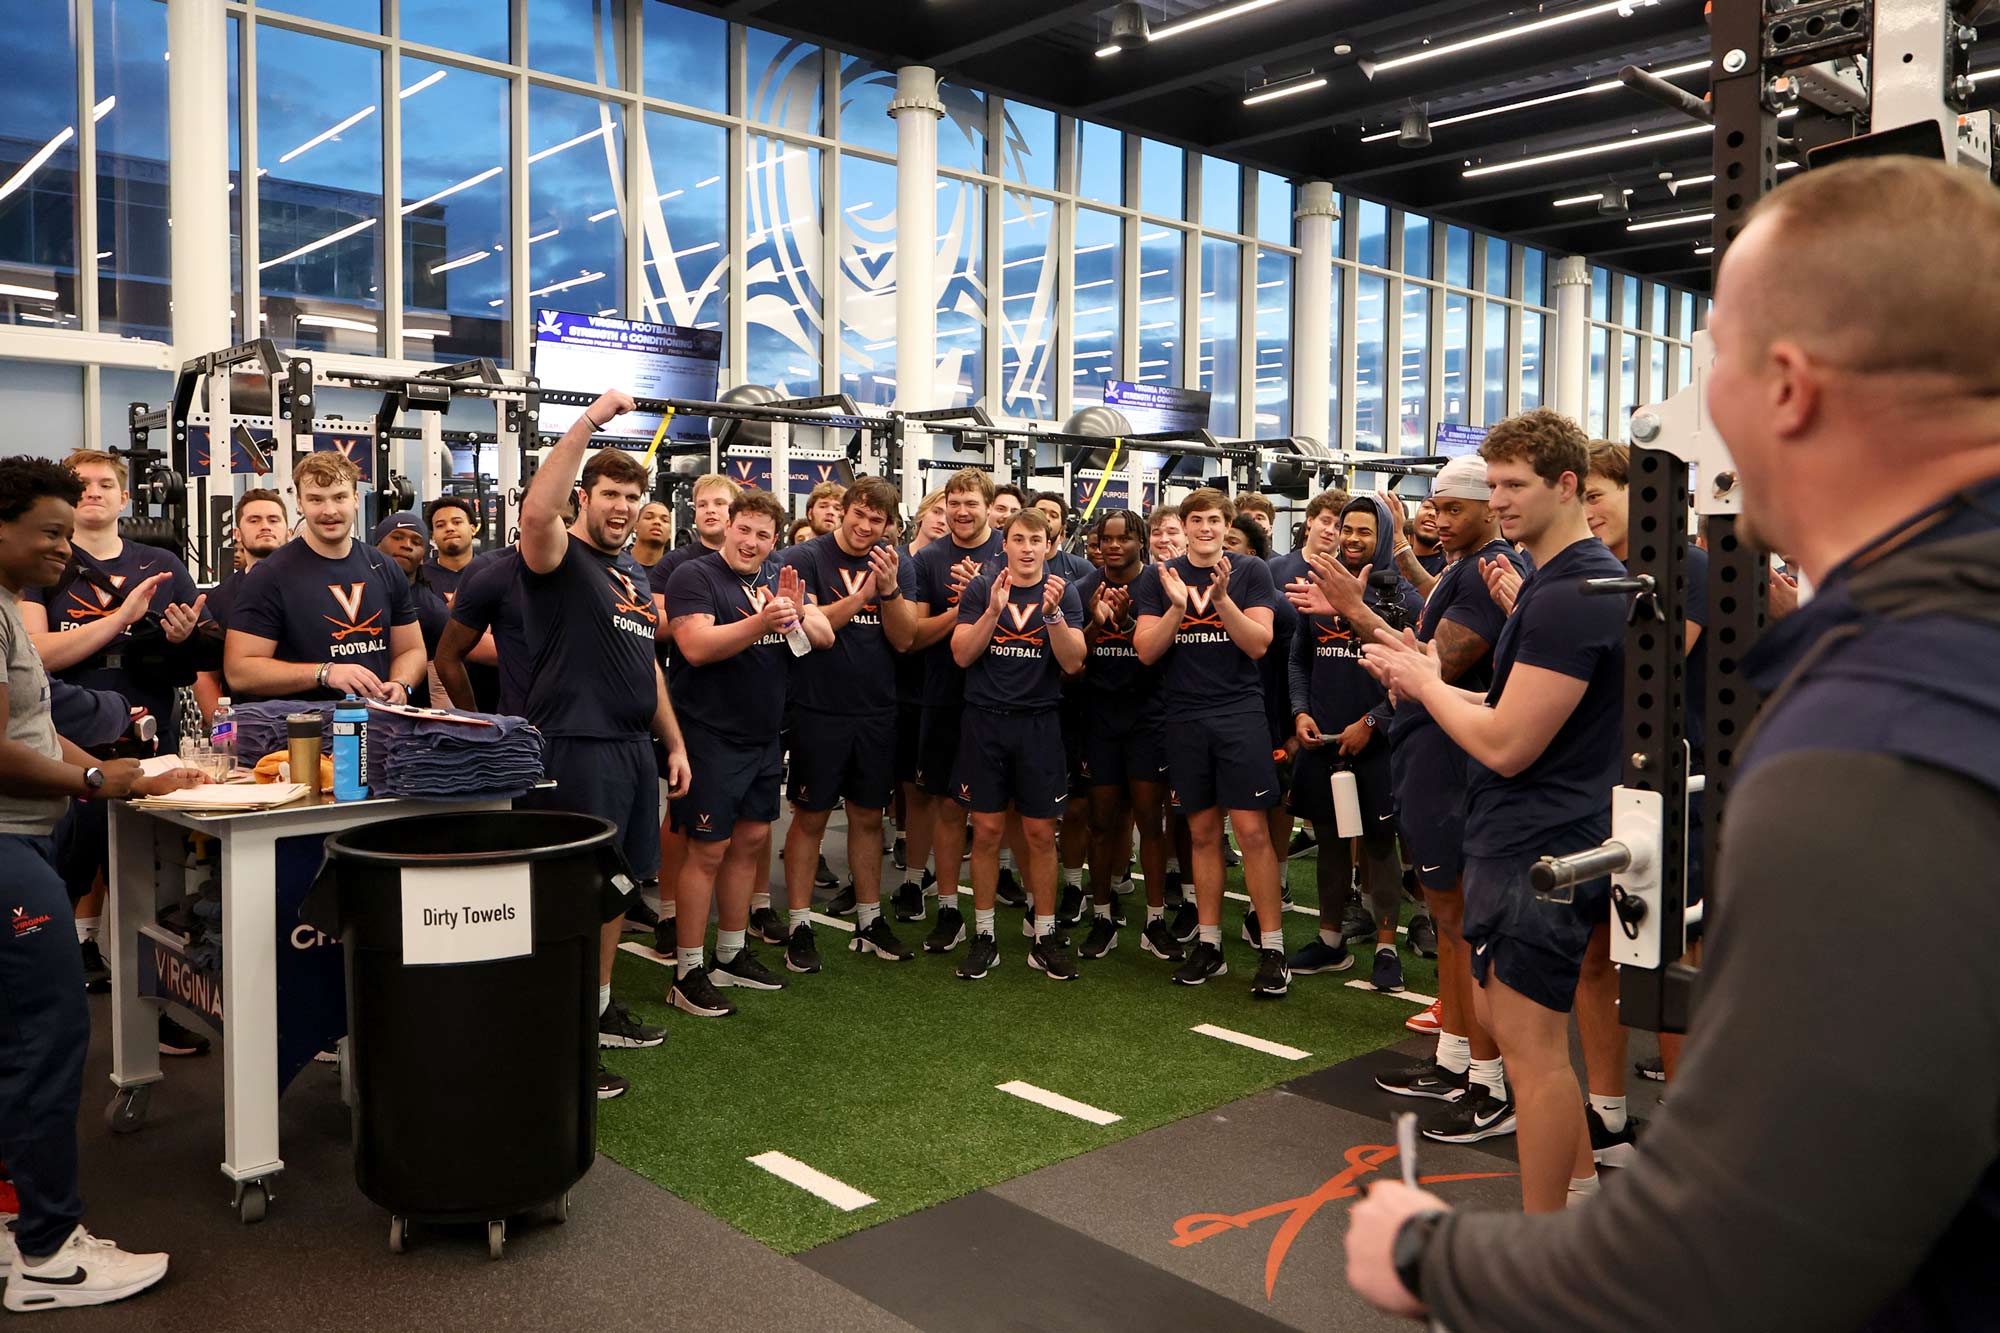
[[1312, 337], [1572, 338], [916, 111], [198, 199]]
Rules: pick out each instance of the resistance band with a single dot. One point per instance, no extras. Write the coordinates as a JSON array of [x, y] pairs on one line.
[[1103, 479], [666, 420]]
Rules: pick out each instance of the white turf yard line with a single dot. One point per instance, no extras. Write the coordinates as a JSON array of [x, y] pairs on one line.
[[1425, 1000], [833, 921], [1279, 1049], [1055, 1101], [790, 1169], [646, 952], [1294, 907]]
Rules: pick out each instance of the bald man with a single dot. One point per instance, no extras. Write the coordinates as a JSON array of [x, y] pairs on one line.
[[1816, 1167]]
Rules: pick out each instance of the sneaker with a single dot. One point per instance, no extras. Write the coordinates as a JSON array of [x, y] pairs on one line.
[[768, 926], [1008, 892], [1050, 955], [96, 972], [1158, 940], [328, 1056], [1475, 1116], [1123, 885], [842, 903], [1231, 858], [9, 1255], [877, 938], [1252, 934], [87, 1270], [1608, 1149], [1430, 1022], [745, 970], [824, 878], [1316, 956], [617, 1029], [1653, 1067], [981, 958], [1355, 922], [1285, 894], [610, 1085], [1423, 936], [177, 1040], [1302, 842], [1187, 921], [696, 994], [1103, 938], [802, 951], [1118, 913], [1175, 894], [1388, 971], [1203, 962], [639, 916], [1425, 1078], [908, 901], [900, 856], [949, 932], [1069, 905], [664, 942], [1273, 978], [1028, 931]]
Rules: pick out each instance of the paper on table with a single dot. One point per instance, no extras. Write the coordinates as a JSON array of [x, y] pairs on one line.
[[227, 797], [428, 714]]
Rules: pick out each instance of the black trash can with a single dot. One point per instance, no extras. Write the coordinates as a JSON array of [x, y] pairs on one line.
[[472, 1034]]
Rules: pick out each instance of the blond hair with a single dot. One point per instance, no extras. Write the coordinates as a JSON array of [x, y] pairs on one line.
[[79, 457]]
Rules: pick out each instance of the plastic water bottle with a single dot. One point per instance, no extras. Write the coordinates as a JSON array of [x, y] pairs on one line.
[[222, 731], [350, 750]]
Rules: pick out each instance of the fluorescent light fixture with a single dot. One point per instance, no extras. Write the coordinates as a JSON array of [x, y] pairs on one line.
[[27, 293], [1788, 166], [670, 194], [34, 318], [103, 109], [567, 144], [1101, 282], [1219, 14], [450, 190], [324, 135], [1624, 8], [428, 335], [774, 161], [322, 242], [609, 310], [1654, 224], [1581, 199], [1022, 217], [697, 250], [1090, 249], [856, 208], [1287, 90], [544, 235], [1985, 74], [104, 254], [602, 214], [335, 322], [1589, 150], [703, 185], [1704, 249], [421, 84], [567, 283], [1602, 86], [1157, 273], [1676, 187], [497, 302], [460, 262], [34, 164]]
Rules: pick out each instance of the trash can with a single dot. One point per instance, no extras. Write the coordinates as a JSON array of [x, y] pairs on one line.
[[471, 947]]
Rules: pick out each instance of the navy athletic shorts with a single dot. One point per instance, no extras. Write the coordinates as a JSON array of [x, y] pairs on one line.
[[1312, 784], [909, 730], [1430, 799], [1220, 762], [733, 781], [614, 780], [1071, 714], [1535, 947], [1121, 744], [842, 757], [937, 749], [1011, 759]]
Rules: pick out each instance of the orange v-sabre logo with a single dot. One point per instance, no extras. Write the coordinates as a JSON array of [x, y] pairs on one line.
[[1331, 631], [1019, 613], [349, 599], [853, 579], [1361, 1159], [1201, 609], [625, 596]]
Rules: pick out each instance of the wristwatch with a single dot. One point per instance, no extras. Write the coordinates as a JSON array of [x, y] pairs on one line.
[[93, 778], [1368, 718], [1412, 1239], [319, 677]]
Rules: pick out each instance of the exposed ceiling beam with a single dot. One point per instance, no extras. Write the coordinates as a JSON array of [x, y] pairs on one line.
[[975, 33]]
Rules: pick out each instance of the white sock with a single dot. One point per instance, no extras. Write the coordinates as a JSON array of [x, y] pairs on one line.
[[1272, 939], [1611, 1110], [728, 943], [1073, 878], [1490, 1075], [1006, 858], [950, 900], [687, 960], [603, 998], [982, 922], [1173, 865], [1211, 935], [86, 928], [801, 916], [1580, 1190], [1454, 1053], [1330, 938], [651, 897], [1155, 914], [1102, 911], [1045, 927], [866, 914], [759, 901], [667, 909]]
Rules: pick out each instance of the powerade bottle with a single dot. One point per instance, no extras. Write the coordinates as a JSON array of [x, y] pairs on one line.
[[350, 750], [222, 730]]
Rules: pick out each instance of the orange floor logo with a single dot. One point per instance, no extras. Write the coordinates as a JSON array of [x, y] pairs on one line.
[[1362, 1159]]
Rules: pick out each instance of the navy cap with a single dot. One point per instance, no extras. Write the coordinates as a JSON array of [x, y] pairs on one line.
[[405, 519]]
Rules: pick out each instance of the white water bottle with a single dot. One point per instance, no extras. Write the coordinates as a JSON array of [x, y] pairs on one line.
[[1346, 804], [222, 730]]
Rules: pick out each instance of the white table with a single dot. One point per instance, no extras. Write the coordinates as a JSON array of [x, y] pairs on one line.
[[143, 838]]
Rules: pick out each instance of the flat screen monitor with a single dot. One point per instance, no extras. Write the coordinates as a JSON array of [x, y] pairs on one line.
[[1156, 408], [1454, 441], [592, 353]]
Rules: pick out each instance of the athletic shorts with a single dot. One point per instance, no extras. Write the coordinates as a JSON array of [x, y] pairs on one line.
[[1429, 773], [1071, 715], [842, 757], [1011, 759], [937, 749], [1534, 946], [1220, 762], [614, 780], [733, 781], [909, 729], [1312, 785], [1120, 744]]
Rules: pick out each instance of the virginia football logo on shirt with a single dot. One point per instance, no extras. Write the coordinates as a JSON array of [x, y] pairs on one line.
[[1202, 621], [1020, 641], [630, 611], [757, 597], [349, 623], [851, 581], [88, 602]]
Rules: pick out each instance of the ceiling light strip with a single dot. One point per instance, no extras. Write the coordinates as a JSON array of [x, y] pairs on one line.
[[1589, 150]]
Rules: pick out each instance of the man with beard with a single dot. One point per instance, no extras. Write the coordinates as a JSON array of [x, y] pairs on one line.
[[260, 530], [453, 528]]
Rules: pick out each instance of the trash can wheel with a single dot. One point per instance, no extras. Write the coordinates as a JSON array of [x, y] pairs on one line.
[[127, 1111], [559, 1210], [253, 1200], [496, 1239]]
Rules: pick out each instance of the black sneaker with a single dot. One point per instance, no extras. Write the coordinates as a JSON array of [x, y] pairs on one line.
[[1316, 956], [1231, 858], [949, 932], [1302, 842], [1117, 912], [908, 901], [617, 1030], [1050, 955], [696, 994], [1652, 1067], [842, 903], [981, 958], [1388, 975], [177, 1040], [1028, 931], [1069, 905], [1273, 978], [1475, 1116], [1204, 962], [1356, 923], [744, 970], [664, 940], [900, 855], [1285, 894], [1158, 940], [1186, 923], [1175, 895], [610, 1085], [1008, 892], [1423, 936], [1608, 1149], [1425, 1078], [1253, 934], [1123, 884], [96, 972], [877, 938], [639, 917], [824, 878], [768, 926], [802, 951], [1103, 938]]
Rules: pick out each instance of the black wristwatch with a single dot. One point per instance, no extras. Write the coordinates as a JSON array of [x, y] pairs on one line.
[[93, 778], [1412, 1239]]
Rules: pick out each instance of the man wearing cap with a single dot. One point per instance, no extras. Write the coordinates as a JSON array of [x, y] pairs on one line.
[[400, 536]]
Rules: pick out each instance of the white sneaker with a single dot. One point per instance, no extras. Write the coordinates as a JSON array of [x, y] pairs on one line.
[[85, 1271], [9, 1254]]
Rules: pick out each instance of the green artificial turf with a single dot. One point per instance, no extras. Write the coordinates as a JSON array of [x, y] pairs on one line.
[[883, 1074]]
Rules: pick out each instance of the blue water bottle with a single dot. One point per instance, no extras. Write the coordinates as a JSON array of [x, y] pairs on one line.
[[350, 750]]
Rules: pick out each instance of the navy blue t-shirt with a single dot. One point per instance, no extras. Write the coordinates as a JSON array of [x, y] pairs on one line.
[[909, 666], [1018, 671], [927, 579], [858, 674], [1112, 671], [1204, 673], [490, 599], [590, 626], [221, 602], [1069, 566], [742, 697], [1460, 596], [1564, 797], [82, 604], [447, 582], [321, 610], [658, 575], [1433, 562]]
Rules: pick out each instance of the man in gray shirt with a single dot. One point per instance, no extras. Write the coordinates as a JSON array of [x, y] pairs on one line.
[[44, 1023]]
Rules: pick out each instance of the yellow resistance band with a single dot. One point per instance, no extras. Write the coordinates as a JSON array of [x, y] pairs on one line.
[[666, 420], [1098, 494]]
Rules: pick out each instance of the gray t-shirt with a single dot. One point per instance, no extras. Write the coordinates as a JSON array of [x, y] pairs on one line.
[[29, 721]]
